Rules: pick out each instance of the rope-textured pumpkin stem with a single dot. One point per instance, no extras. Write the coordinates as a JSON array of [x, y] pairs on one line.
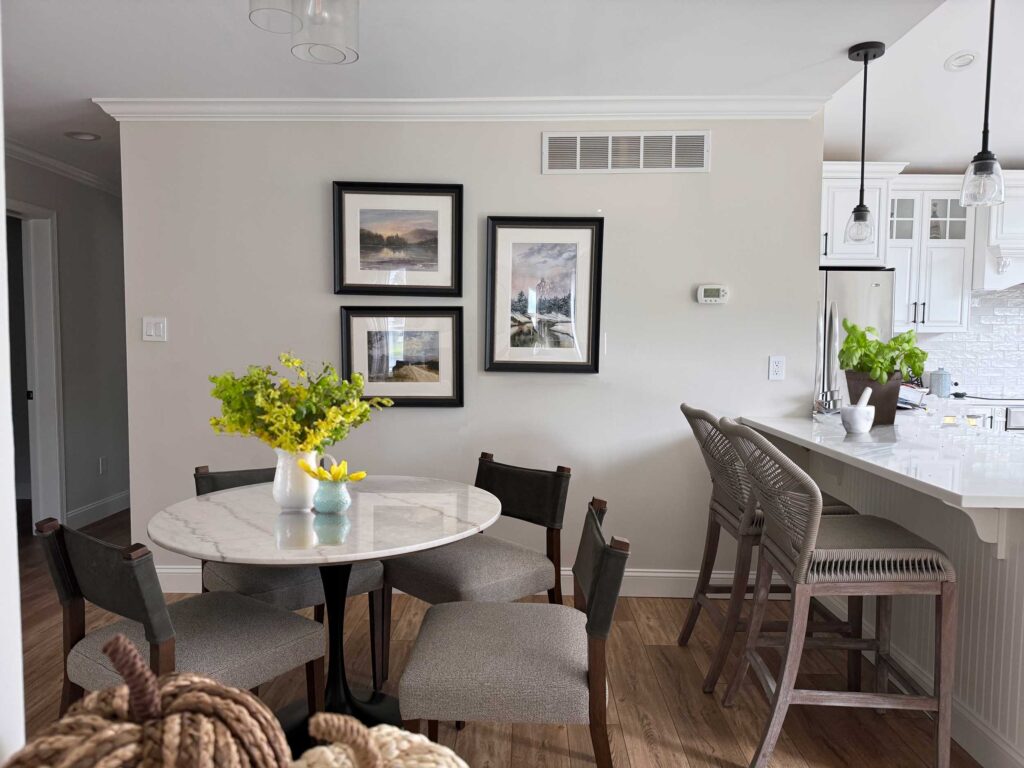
[[346, 730], [143, 693]]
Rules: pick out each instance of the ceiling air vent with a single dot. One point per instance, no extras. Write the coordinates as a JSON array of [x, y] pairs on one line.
[[627, 152]]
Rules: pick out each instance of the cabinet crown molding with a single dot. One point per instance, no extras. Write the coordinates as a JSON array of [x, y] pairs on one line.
[[850, 169]]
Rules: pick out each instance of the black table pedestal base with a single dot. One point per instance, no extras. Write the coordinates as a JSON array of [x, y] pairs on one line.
[[374, 708]]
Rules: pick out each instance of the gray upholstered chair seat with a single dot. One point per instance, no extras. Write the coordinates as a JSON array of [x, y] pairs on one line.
[[507, 662], [865, 548], [292, 587], [233, 639], [479, 568]]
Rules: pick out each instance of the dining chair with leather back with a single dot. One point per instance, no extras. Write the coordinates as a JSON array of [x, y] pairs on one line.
[[236, 640], [733, 508], [523, 662], [296, 587], [485, 568], [816, 555]]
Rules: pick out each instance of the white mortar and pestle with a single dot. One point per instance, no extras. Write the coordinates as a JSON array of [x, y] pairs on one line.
[[857, 419]]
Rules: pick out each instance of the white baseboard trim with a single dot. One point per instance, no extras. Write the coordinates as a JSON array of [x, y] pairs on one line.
[[97, 510], [981, 740], [180, 578]]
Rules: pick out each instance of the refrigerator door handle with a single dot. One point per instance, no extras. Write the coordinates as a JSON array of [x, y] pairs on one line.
[[924, 315], [825, 252]]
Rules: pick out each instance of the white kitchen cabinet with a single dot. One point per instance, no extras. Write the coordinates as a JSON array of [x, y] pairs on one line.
[[840, 193], [929, 243], [999, 239]]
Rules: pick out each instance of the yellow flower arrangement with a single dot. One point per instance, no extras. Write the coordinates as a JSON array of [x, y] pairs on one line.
[[338, 473], [306, 413]]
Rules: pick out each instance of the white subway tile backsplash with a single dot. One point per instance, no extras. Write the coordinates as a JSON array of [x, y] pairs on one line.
[[988, 360]]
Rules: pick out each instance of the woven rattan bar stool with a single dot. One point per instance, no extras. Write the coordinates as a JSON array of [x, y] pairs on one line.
[[732, 508], [851, 555]]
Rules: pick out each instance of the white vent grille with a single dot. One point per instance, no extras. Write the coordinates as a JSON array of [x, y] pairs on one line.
[[627, 152]]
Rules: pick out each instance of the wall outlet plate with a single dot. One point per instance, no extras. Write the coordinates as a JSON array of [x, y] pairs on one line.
[[776, 367], [154, 329]]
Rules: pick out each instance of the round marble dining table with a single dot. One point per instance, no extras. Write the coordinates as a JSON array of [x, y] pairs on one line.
[[390, 516]]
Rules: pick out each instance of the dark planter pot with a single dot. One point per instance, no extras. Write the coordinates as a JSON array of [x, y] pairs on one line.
[[883, 396]]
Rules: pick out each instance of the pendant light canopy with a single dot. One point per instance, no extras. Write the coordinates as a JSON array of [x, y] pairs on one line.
[[861, 226], [329, 32], [983, 181]]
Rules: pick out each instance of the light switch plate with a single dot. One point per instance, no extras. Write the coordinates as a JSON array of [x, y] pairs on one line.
[[154, 329]]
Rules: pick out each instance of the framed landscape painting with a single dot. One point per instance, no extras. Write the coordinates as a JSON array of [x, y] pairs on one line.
[[398, 239], [411, 354], [543, 294]]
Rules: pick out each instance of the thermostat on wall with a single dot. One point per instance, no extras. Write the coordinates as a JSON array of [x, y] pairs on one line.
[[712, 294]]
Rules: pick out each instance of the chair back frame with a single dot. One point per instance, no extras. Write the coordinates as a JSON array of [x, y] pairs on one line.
[[211, 482], [122, 580], [790, 500], [730, 483], [535, 496]]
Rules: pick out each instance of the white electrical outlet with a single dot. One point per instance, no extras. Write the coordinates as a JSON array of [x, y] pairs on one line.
[[154, 329], [776, 367]]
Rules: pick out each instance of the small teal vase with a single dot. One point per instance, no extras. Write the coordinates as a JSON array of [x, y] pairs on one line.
[[332, 498]]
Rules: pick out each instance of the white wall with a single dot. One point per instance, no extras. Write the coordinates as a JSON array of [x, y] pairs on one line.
[[91, 280], [228, 232], [12, 699]]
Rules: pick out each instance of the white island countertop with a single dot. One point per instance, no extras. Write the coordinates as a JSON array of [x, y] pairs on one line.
[[980, 471]]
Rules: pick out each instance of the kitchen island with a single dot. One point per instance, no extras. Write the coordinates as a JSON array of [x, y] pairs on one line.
[[961, 486]]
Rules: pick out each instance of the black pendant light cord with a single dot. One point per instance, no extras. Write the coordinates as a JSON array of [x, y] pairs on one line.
[[988, 75], [864, 125]]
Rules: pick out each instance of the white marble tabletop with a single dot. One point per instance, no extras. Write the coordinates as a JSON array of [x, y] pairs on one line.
[[969, 468], [390, 515]]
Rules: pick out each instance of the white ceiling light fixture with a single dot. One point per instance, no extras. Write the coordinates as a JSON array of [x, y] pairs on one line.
[[82, 136], [960, 61], [329, 33], [274, 16]]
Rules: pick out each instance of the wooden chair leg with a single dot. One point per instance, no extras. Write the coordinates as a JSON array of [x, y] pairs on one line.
[[945, 658], [554, 551], [460, 725], [385, 637], [599, 740], [854, 658], [432, 730], [315, 685], [703, 579], [412, 726], [787, 675], [883, 632], [740, 579], [375, 603], [762, 588], [318, 613], [69, 694]]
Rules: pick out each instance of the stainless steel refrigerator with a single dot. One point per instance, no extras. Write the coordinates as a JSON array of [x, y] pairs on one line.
[[862, 295]]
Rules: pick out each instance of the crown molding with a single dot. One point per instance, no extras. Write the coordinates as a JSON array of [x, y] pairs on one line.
[[850, 169], [463, 110], [39, 160]]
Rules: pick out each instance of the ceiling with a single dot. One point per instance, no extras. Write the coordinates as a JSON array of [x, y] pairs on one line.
[[920, 113], [58, 54]]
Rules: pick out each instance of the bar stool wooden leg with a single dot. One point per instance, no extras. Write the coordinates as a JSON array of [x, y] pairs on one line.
[[703, 579], [945, 658], [883, 631], [855, 615], [787, 676], [740, 579], [762, 587]]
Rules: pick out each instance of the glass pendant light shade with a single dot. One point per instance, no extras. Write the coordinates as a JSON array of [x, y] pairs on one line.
[[274, 16], [861, 226], [329, 33], [983, 182]]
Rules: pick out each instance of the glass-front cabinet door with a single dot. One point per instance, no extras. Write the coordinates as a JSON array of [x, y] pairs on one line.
[[903, 253], [945, 271]]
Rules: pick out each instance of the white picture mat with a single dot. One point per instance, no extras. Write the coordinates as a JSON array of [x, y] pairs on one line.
[[354, 202], [361, 325], [503, 349]]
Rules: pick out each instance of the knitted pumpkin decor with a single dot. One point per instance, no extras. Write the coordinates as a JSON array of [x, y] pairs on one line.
[[187, 721]]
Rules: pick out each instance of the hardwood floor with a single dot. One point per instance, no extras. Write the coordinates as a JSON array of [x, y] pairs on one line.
[[658, 716]]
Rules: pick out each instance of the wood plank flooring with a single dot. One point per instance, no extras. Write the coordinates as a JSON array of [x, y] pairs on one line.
[[658, 717]]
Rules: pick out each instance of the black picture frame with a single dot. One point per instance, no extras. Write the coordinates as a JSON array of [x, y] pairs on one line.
[[596, 226], [345, 284], [348, 364]]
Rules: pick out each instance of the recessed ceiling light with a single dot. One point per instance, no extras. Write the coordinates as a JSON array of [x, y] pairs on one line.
[[960, 60], [82, 136]]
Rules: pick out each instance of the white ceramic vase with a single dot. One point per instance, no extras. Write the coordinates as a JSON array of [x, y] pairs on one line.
[[293, 488]]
